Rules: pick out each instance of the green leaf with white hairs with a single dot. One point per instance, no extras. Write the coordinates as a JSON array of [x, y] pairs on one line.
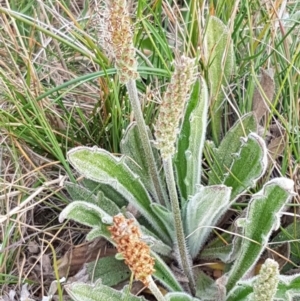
[[91, 185], [164, 274], [109, 193], [166, 216], [131, 147], [180, 297], [154, 242], [193, 155], [188, 159], [263, 216], [288, 288], [221, 252], [101, 166], [219, 53], [158, 246], [110, 270], [134, 153], [98, 292], [80, 193], [206, 287], [220, 63], [90, 215], [231, 144], [203, 211], [242, 292], [232, 250], [106, 204], [225, 246], [85, 213], [100, 231], [249, 166]]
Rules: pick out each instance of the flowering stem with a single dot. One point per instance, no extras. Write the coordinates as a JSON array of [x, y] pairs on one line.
[[155, 290], [135, 103], [183, 252]]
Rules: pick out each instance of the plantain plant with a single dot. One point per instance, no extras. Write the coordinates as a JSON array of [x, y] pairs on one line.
[[174, 214]]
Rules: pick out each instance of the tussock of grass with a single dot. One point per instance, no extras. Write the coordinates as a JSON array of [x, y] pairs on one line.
[[58, 89]]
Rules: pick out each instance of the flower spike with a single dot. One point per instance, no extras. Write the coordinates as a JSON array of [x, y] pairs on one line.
[[172, 106], [134, 251], [119, 38]]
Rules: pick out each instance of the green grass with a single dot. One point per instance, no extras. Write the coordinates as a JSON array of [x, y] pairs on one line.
[[59, 89]]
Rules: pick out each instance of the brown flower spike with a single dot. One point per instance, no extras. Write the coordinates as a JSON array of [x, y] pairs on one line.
[[135, 252], [120, 39]]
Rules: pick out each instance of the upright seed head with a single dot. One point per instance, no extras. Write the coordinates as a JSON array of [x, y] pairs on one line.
[[119, 39], [135, 252], [266, 283], [172, 105]]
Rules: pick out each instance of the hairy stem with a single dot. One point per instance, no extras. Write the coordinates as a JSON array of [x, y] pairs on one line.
[[183, 252], [155, 290], [159, 196]]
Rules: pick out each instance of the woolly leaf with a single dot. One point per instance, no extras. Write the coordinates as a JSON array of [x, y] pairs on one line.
[[107, 205], [165, 275], [203, 211], [191, 140], [101, 166], [242, 292], [159, 247], [80, 193], [132, 148], [91, 185], [249, 166], [288, 288], [90, 215], [179, 297], [154, 242], [98, 292], [100, 231], [109, 193], [263, 216], [206, 288], [85, 213], [110, 270], [224, 248], [165, 216], [220, 62], [231, 144], [222, 252]]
